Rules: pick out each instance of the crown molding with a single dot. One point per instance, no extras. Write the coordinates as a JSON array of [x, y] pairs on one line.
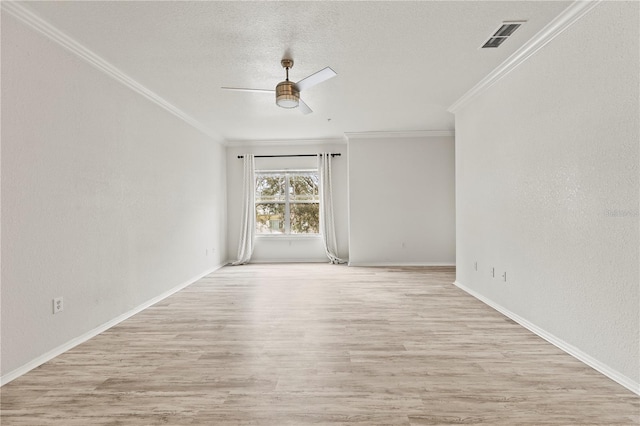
[[283, 142], [38, 24], [564, 20], [404, 134]]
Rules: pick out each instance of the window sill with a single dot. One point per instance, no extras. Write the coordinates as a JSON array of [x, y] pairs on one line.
[[290, 236]]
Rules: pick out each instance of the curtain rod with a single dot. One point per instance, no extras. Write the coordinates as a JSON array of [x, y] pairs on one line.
[[289, 155]]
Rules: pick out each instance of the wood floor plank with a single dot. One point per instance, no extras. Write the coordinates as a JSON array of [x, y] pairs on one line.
[[316, 344]]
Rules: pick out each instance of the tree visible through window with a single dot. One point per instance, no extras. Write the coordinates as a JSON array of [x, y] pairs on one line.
[[287, 202]]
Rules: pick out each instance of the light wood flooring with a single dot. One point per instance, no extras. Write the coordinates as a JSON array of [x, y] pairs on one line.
[[317, 344]]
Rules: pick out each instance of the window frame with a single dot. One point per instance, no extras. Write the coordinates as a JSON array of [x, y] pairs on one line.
[[287, 203]]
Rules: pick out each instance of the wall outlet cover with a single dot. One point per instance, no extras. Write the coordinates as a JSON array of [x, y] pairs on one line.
[[58, 305]]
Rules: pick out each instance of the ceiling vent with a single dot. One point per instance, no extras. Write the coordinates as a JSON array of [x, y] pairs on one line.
[[503, 33]]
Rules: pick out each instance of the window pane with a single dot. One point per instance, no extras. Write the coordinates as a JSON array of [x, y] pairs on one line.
[[270, 218], [305, 218], [287, 202], [303, 187], [270, 187]]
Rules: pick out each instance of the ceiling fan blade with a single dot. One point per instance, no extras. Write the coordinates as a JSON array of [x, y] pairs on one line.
[[242, 89], [316, 78], [304, 108]]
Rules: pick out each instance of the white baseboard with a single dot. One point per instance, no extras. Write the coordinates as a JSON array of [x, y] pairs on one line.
[[614, 375], [392, 264], [12, 375], [285, 260], [315, 260]]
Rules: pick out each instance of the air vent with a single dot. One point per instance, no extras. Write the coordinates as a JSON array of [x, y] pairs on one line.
[[504, 32]]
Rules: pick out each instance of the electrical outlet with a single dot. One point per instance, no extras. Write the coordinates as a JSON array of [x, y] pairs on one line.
[[58, 305]]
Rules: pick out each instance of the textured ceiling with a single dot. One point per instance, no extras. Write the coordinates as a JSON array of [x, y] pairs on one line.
[[400, 65]]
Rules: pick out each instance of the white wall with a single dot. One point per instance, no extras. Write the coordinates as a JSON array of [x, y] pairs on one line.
[[547, 190], [295, 248], [107, 199], [401, 200]]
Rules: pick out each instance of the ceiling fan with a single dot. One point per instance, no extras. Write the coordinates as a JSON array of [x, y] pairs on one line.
[[288, 92]]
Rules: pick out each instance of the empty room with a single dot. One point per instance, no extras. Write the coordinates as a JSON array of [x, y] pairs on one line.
[[319, 212]]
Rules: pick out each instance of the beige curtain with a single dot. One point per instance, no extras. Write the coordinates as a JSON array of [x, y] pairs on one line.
[[248, 226], [327, 226]]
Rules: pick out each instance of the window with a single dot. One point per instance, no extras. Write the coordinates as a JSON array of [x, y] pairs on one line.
[[287, 202]]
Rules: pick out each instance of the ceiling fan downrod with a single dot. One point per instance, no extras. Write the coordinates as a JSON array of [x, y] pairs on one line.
[[287, 94]]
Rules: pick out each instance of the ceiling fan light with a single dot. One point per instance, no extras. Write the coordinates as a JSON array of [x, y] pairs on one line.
[[287, 95], [287, 101]]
